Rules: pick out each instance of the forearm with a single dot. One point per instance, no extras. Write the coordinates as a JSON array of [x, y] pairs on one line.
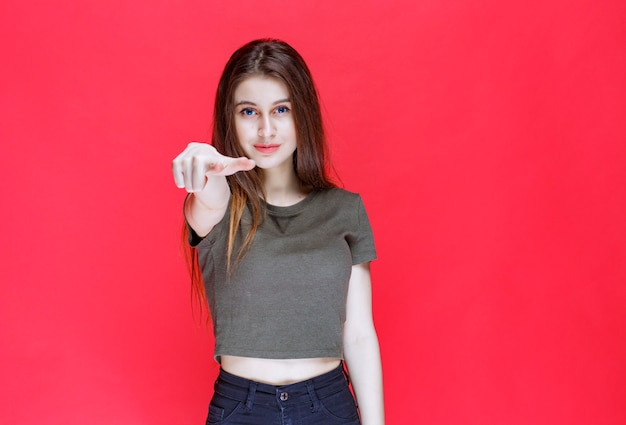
[[362, 357], [206, 208]]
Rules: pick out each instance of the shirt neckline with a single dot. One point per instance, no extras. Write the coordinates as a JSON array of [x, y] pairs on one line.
[[291, 209]]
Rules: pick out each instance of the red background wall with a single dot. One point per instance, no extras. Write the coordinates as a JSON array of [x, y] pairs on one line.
[[486, 137]]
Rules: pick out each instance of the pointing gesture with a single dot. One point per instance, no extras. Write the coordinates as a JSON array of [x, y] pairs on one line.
[[198, 161]]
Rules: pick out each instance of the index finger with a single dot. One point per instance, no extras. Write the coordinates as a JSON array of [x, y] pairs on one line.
[[231, 166]]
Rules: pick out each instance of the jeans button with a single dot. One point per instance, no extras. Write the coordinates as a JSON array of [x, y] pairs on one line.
[[284, 396]]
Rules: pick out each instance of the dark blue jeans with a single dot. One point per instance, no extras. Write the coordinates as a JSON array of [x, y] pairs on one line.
[[325, 399]]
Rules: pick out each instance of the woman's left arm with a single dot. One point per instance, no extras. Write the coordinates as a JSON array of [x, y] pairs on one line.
[[361, 350]]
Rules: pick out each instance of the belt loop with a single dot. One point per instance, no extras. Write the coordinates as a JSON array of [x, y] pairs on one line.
[[315, 403], [251, 393]]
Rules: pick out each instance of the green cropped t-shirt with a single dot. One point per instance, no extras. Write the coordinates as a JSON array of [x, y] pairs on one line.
[[286, 298]]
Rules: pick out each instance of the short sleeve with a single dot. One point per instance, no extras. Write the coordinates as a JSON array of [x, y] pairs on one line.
[[360, 239]]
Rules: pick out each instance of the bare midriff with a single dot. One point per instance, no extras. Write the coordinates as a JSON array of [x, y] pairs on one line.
[[278, 371]]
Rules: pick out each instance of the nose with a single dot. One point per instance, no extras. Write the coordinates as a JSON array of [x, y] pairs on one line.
[[266, 128]]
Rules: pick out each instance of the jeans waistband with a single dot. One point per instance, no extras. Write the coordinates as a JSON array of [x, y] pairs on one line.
[[318, 387]]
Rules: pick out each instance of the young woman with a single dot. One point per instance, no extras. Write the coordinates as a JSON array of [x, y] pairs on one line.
[[282, 252]]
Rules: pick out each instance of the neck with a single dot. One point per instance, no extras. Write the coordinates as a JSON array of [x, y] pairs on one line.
[[282, 188]]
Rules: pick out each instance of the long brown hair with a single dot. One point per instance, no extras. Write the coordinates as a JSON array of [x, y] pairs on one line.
[[277, 59]]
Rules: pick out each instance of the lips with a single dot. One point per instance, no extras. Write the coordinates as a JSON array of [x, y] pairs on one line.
[[266, 149]]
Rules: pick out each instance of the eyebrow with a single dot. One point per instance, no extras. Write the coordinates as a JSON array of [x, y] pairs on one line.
[[247, 102]]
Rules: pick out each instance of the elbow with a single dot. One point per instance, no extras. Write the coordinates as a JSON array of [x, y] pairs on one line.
[[356, 339]]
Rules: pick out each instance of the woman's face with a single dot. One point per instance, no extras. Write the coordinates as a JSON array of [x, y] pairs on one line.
[[264, 122]]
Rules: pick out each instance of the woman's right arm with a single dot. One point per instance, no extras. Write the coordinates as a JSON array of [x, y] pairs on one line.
[[201, 170]]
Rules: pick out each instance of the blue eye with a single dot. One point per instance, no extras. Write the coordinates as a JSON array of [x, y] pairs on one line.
[[282, 110], [248, 112]]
